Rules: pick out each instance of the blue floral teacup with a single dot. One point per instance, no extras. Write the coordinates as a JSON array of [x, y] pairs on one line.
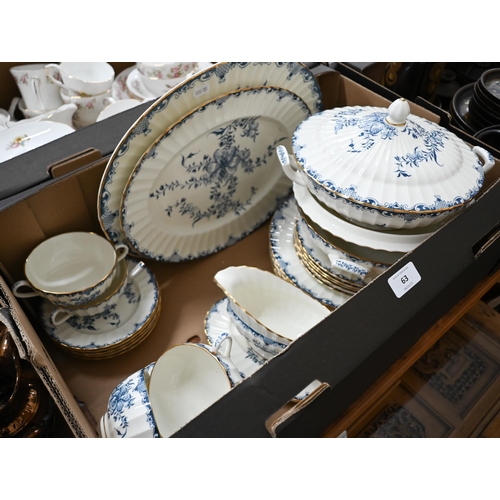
[[187, 379], [104, 304], [129, 412], [70, 269]]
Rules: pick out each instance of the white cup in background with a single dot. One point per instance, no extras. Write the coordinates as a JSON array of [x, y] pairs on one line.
[[83, 78], [37, 89]]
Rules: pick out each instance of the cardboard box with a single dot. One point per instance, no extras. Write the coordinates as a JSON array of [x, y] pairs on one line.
[[347, 352]]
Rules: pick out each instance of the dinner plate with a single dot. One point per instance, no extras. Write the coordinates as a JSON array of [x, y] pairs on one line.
[[203, 86], [213, 177], [287, 263], [107, 330], [25, 137], [217, 322]]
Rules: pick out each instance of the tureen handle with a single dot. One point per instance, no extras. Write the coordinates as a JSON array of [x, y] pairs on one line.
[[486, 156], [289, 165]]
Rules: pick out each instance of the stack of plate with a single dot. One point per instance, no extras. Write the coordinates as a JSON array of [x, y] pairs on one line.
[[303, 233], [484, 105], [198, 170], [115, 332]]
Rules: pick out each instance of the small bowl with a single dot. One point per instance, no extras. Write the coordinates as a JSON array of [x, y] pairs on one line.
[[459, 108], [490, 135], [70, 269]]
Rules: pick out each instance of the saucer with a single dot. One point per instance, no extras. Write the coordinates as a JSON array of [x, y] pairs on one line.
[[287, 263], [136, 88], [117, 107], [116, 330], [217, 322], [119, 89]]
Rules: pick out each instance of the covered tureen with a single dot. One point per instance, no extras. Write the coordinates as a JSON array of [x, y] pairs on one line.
[[384, 167]]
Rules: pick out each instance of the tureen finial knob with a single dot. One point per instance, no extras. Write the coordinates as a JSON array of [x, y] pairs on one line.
[[398, 112]]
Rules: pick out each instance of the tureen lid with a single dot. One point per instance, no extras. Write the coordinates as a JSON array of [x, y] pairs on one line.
[[387, 157]]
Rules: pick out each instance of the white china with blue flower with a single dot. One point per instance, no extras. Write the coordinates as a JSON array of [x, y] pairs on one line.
[[187, 379], [129, 413], [287, 263], [397, 241], [205, 85], [385, 168], [243, 354], [120, 324], [334, 260], [267, 310], [213, 177]]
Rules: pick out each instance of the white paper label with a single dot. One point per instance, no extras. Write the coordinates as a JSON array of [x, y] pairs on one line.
[[343, 434], [201, 91], [404, 280]]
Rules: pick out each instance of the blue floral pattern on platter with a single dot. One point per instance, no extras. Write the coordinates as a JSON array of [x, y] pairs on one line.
[[287, 261], [219, 172], [214, 180], [369, 129], [207, 84], [126, 319], [130, 400]]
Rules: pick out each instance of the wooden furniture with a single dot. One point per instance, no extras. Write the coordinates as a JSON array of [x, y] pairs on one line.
[[447, 385]]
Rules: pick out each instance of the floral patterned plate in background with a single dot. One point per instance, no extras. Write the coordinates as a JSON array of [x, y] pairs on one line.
[[213, 177], [24, 137]]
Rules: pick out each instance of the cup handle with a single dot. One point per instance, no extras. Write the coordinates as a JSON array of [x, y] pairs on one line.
[[289, 165], [216, 347], [216, 350], [23, 295], [108, 100], [49, 68], [59, 321], [35, 85], [137, 269], [121, 251]]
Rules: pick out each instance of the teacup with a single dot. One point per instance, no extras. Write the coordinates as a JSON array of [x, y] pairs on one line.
[[37, 89], [277, 311], [159, 77], [88, 108], [105, 303], [83, 78], [129, 414], [187, 379], [70, 269]]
